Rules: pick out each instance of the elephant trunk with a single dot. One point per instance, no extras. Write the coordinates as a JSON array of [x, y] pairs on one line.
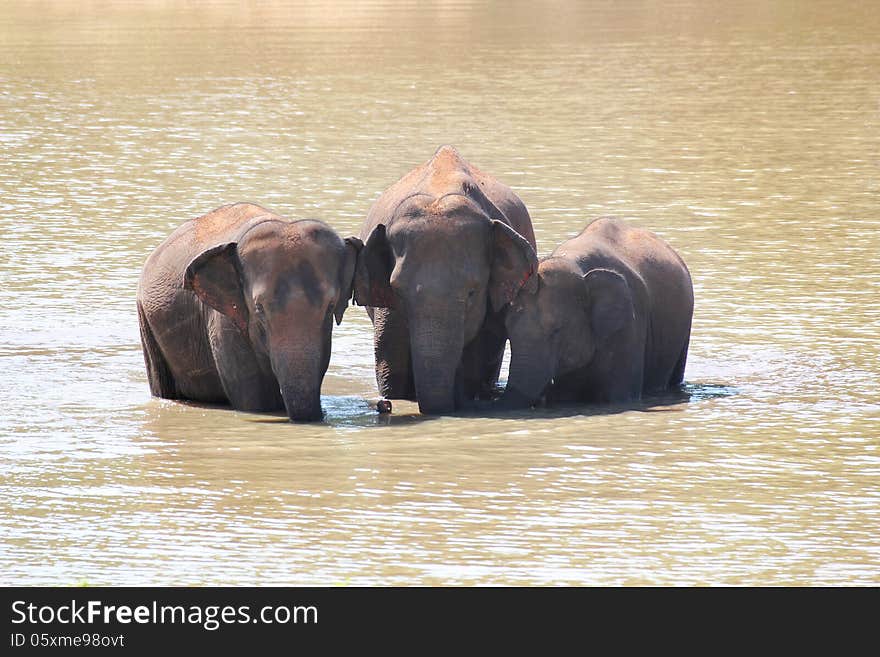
[[530, 374], [300, 372], [302, 402], [436, 340]]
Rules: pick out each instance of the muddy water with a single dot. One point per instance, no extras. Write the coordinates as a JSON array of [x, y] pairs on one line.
[[747, 136]]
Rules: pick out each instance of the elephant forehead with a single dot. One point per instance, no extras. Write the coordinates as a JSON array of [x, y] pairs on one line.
[[290, 239], [283, 263], [558, 288], [525, 319], [435, 228], [303, 278], [284, 281]]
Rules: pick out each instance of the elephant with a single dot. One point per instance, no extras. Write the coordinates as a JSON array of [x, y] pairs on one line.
[[236, 307], [608, 320], [446, 248]]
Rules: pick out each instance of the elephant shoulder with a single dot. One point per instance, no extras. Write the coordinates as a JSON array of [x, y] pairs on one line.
[[160, 288], [164, 267]]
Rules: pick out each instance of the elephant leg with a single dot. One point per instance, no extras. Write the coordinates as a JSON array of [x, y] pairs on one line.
[[247, 386], [613, 381], [618, 374], [677, 376], [394, 373], [158, 373]]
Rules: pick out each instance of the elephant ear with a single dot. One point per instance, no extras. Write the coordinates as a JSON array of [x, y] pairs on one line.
[[372, 279], [611, 303], [215, 279], [513, 264], [353, 247]]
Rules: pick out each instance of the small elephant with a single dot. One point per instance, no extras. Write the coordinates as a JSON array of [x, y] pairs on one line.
[[608, 320], [446, 248], [237, 307]]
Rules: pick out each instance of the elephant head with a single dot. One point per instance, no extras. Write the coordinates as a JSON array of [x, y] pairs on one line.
[[281, 283], [567, 322], [442, 263]]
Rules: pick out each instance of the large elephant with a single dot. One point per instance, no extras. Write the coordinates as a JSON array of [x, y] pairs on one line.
[[608, 320], [446, 248], [237, 307]]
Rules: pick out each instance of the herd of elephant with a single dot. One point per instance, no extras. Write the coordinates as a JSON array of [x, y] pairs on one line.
[[237, 306]]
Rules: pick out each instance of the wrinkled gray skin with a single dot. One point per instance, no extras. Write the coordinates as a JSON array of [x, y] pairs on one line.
[[237, 307], [446, 248], [608, 321]]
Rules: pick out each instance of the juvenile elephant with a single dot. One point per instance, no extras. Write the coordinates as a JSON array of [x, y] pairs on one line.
[[237, 307], [446, 248], [608, 320]]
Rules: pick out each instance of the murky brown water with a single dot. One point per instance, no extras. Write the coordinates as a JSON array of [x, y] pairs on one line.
[[746, 134]]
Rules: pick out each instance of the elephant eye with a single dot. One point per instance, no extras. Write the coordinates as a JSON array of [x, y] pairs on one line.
[[258, 308]]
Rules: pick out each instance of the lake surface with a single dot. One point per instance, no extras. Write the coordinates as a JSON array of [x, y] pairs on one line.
[[745, 134]]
